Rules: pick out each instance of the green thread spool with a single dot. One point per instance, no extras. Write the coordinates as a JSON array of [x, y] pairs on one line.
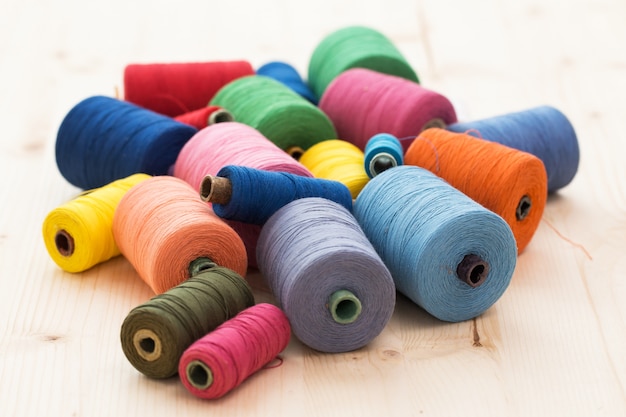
[[355, 47], [155, 334], [281, 115]]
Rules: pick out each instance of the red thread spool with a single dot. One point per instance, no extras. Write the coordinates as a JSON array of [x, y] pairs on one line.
[[239, 347], [205, 116], [362, 103], [176, 88]]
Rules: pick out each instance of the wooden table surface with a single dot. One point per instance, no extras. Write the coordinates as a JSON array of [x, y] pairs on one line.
[[553, 345]]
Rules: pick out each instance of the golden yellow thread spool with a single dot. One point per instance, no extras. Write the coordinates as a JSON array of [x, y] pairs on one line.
[[78, 234], [338, 160]]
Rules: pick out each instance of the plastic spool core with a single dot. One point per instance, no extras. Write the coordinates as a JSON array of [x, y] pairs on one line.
[[382, 162], [344, 306], [523, 208], [199, 265], [220, 116], [216, 190], [199, 375], [147, 344], [436, 122], [473, 270], [296, 152], [64, 243]]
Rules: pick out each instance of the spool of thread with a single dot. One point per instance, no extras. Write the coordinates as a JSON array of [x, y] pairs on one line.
[[176, 88], [251, 195], [205, 116], [337, 160], [355, 47], [79, 234], [103, 139], [362, 103], [543, 131], [155, 334], [220, 361], [280, 114], [288, 75], [382, 151], [168, 234], [507, 181], [325, 274], [233, 143], [447, 253]]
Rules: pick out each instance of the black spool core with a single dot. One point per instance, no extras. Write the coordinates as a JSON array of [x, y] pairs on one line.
[[523, 208], [472, 270], [64, 243], [296, 152], [382, 162], [147, 344]]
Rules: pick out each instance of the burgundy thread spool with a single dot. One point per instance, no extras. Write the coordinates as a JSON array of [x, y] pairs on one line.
[[362, 103], [176, 88]]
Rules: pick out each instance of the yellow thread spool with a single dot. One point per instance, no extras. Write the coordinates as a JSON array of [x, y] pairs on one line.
[[79, 234], [338, 160]]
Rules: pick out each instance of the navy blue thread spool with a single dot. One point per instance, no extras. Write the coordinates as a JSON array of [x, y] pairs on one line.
[[252, 195], [102, 139], [447, 253], [543, 131]]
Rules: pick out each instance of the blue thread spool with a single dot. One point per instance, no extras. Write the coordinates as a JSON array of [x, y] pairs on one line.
[[542, 131], [382, 151], [252, 195], [102, 139], [326, 276], [289, 76], [447, 253]]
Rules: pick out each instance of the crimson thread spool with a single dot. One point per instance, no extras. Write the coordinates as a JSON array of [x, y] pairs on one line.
[[168, 234], [362, 103], [224, 358], [155, 334], [233, 143], [509, 182], [179, 87], [205, 116]]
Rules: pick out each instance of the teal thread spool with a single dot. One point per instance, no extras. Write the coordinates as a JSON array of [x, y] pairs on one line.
[[382, 152], [280, 114], [355, 47]]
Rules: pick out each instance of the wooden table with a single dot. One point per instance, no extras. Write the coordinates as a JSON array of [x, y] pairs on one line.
[[554, 344]]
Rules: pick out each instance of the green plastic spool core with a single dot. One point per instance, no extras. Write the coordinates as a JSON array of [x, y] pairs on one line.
[[200, 265], [344, 306], [199, 375]]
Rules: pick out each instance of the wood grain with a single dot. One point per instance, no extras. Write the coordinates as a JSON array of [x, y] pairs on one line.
[[552, 345]]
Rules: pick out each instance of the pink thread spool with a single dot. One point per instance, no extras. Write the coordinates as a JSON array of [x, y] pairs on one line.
[[362, 103], [233, 143], [224, 358]]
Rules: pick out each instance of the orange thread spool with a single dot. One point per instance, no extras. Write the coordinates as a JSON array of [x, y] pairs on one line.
[[168, 234], [509, 182]]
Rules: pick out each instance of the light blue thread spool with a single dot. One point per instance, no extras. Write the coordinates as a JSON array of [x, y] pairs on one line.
[[445, 252], [382, 151]]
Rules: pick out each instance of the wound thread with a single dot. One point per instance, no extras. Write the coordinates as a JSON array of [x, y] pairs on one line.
[[355, 47], [445, 252], [103, 139], [502, 179], [382, 152], [257, 194], [205, 116], [279, 113], [337, 160], [223, 359], [362, 103], [155, 334], [173, 89], [162, 226], [325, 274], [79, 234]]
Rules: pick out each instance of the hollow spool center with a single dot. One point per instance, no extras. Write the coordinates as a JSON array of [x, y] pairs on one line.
[[64, 243], [199, 375], [523, 208], [216, 190], [199, 265], [473, 270], [147, 344], [344, 306]]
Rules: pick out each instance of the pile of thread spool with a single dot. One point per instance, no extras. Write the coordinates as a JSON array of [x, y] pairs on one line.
[[341, 189]]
